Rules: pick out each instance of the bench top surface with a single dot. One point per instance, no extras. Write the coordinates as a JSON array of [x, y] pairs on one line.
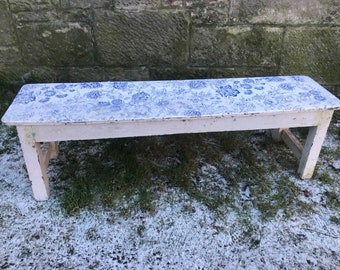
[[96, 102]]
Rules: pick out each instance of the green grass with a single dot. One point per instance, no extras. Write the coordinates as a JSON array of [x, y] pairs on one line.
[[8, 135], [335, 220], [131, 174]]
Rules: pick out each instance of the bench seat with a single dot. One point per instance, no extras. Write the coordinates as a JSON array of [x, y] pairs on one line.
[[93, 110]]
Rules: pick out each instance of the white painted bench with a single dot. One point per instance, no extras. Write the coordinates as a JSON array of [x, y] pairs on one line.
[[81, 111]]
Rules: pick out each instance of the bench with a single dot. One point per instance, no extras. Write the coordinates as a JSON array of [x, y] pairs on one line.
[[94, 110]]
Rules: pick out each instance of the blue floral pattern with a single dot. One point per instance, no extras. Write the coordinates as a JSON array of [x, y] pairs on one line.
[[286, 86], [120, 85], [140, 97], [93, 94], [112, 101], [197, 84], [227, 90]]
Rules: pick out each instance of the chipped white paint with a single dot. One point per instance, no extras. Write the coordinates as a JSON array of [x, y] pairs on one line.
[[315, 139], [80, 111], [34, 164]]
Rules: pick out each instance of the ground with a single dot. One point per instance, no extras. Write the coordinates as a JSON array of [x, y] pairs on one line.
[[250, 210]]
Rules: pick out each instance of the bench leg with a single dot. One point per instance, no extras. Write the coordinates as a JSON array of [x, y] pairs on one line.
[[54, 150], [289, 139], [35, 164], [276, 134], [51, 153], [312, 148]]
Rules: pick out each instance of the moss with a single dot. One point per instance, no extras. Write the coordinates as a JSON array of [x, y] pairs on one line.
[[236, 46], [312, 51], [142, 38], [42, 74], [180, 48]]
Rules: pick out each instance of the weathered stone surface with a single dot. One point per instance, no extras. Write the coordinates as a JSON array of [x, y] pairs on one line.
[[137, 4], [313, 51], [179, 73], [33, 5], [34, 11], [9, 55], [18, 76], [35, 16], [6, 29], [9, 52], [236, 46], [78, 40], [286, 11], [40, 74], [106, 74], [335, 89], [57, 44], [144, 38], [12, 74], [87, 4], [51, 16], [206, 12], [173, 3], [77, 15], [240, 72], [204, 72]]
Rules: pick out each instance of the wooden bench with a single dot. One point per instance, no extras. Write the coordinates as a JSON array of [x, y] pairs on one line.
[[94, 110]]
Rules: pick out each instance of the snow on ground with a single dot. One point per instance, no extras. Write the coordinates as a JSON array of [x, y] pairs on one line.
[[182, 234]]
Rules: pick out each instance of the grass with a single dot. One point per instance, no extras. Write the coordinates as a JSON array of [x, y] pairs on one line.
[[8, 136], [215, 169], [335, 220]]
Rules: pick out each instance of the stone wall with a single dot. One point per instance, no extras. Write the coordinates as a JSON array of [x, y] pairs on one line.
[[74, 40]]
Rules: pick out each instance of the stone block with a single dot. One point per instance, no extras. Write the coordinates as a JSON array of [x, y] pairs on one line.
[[78, 15], [286, 11], [173, 3], [40, 75], [9, 55], [66, 4], [142, 38], [212, 72], [179, 73], [236, 46], [107, 74], [12, 74], [206, 12], [209, 16], [241, 72], [51, 16], [137, 4], [9, 51], [34, 11], [7, 36], [313, 51], [335, 89], [57, 44], [35, 16], [33, 5]]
